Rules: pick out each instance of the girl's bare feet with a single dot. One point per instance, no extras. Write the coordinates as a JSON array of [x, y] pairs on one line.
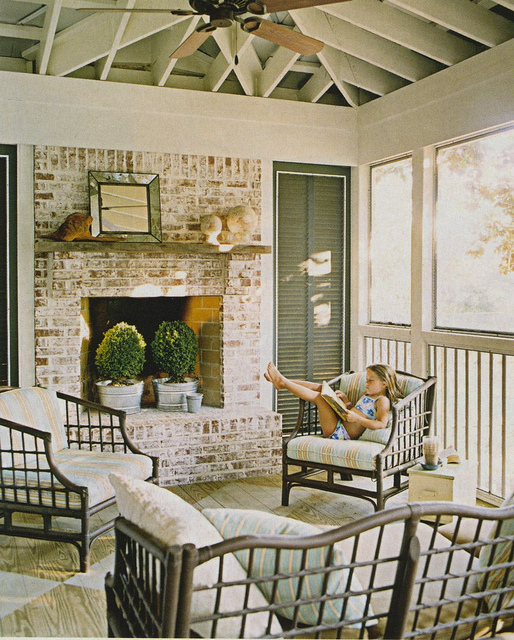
[[274, 376]]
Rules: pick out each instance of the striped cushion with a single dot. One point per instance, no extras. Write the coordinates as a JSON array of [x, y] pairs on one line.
[[497, 554], [232, 523], [354, 454], [381, 436], [32, 407], [89, 469]]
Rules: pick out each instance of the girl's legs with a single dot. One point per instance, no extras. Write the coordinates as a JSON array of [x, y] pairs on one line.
[[309, 391]]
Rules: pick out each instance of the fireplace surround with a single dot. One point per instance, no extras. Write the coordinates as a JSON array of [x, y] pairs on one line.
[[232, 436]]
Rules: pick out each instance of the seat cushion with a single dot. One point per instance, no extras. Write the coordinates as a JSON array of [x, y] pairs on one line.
[[352, 454], [173, 521], [32, 407], [88, 469], [262, 563]]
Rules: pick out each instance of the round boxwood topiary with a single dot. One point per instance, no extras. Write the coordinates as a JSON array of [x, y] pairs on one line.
[[121, 354], [175, 349]]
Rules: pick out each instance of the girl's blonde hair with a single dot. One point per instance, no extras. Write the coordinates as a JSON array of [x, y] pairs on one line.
[[388, 376]]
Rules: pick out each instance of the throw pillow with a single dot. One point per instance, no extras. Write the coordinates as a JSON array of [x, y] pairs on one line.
[[175, 522], [232, 523]]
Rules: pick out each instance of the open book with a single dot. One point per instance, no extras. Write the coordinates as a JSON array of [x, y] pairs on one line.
[[333, 400]]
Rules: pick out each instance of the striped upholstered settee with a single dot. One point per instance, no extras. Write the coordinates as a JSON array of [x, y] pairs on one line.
[[241, 573], [311, 460], [56, 454]]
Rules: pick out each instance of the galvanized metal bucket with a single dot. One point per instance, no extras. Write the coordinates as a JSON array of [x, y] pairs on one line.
[[125, 397], [171, 396]]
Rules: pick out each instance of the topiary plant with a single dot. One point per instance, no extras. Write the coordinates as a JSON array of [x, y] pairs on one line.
[[175, 349], [121, 354]]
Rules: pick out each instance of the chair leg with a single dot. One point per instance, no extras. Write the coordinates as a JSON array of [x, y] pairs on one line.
[[380, 494], [285, 493]]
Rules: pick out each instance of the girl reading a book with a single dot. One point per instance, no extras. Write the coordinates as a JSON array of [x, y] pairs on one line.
[[371, 411]]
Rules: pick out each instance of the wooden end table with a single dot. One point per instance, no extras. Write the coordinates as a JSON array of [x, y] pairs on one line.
[[452, 482]]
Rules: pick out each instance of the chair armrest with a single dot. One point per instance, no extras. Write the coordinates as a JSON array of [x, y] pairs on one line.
[[94, 426], [411, 420]]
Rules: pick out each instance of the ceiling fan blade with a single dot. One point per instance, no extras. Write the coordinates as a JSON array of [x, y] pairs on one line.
[[272, 6], [174, 12], [283, 36], [194, 41]]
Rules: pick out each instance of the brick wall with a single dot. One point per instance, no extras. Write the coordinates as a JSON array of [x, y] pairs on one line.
[[190, 186]]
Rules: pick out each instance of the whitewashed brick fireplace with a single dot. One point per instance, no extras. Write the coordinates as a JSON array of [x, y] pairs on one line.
[[234, 438]]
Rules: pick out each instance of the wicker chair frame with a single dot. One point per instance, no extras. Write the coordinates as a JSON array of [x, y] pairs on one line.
[[49, 494], [411, 420], [151, 591]]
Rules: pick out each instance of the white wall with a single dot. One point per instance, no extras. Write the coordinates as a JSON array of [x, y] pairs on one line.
[[472, 96], [75, 112]]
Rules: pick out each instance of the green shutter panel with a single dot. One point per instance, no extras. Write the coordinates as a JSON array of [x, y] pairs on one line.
[[310, 280]]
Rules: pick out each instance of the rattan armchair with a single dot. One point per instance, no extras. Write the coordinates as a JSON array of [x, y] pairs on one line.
[[56, 454], [309, 460]]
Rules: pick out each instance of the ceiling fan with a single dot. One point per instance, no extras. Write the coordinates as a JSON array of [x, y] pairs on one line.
[[223, 13]]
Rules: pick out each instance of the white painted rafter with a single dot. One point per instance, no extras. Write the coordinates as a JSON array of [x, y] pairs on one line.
[[53, 10], [317, 85], [106, 63], [91, 39], [403, 29], [276, 68], [24, 32], [237, 55], [363, 44], [464, 17], [164, 43]]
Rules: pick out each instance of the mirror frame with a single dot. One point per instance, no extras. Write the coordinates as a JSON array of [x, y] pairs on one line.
[[151, 180]]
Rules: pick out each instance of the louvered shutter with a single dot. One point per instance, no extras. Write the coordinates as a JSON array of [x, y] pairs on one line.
[[311, 280]]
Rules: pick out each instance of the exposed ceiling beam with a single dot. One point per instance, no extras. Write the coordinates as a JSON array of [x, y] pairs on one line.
[[24, 32], [123, 18], [77, 4], [164, 43], [403, 29], [276, 68], [364, 45], [239, 56], [53, 11], [91, 39], [317, 85], [464, 17]]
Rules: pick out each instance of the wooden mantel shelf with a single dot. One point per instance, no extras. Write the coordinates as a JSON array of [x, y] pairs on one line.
[[50, 246]]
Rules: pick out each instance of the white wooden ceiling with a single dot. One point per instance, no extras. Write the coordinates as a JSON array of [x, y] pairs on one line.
[[371, 47]]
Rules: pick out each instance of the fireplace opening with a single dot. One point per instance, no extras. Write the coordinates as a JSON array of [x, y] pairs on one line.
[[202, 314]]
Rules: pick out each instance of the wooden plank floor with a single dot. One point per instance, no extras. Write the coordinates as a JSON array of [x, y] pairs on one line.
[[42, 595]]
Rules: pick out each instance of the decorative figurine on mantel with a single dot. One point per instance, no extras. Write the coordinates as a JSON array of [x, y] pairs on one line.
[[76, 227], [211, 228], [242, 221]]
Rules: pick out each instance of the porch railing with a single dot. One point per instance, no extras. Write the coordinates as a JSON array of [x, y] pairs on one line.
[[474, 411]]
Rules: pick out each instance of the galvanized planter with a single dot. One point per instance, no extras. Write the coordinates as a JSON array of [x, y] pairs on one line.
[[125, 397], [171, 396]]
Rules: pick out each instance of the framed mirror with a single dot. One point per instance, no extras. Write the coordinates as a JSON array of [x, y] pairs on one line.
[[125, 205]]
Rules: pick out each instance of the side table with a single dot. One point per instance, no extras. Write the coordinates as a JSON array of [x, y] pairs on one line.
[[453, 482]]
